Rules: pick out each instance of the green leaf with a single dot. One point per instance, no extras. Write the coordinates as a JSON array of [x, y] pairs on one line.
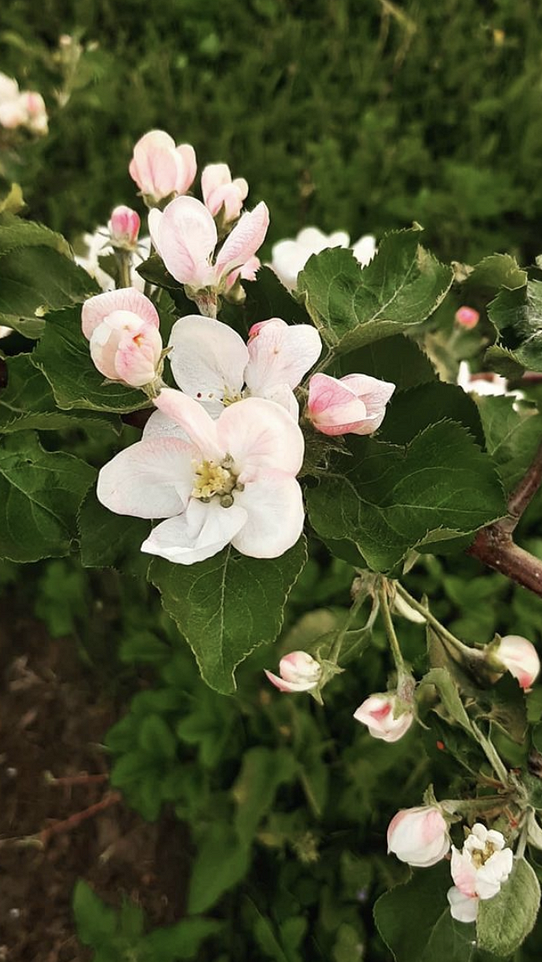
[[492, 273], [96, 922], [15, 232], [397, 359], [180, 941], [512, 437], [505, 921], [222, 861], [411, 411], [267, 297], [388, 500], [34, 280], [63, 356], [156, 738], [228, 605], [449, 693], [517, 315], [415, 921], [262, 772], [398, 290], [40, 493], [27, 403], [108, 539]]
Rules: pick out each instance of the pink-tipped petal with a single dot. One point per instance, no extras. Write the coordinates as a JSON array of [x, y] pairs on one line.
[[199, 426], [245, 239], [288, 686], [261, 435], [208, 360], [96, 308], [187, 171], [150, 479], [280, 354], [200, 533], [275, 516], [185, 237]]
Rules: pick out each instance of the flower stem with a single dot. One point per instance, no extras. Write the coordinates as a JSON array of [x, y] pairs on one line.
[[390, 630], [491, 754], [434, 622], [124, 261], [341, 634]]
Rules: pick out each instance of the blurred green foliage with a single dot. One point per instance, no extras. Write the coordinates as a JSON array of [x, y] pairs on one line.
[[355, 114]]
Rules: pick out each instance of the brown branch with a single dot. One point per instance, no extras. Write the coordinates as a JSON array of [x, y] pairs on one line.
[[74, 820], [494, 545]]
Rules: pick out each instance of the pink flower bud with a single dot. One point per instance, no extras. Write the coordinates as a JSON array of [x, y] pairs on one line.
[[219, 190], [378, 713], [125, 343], [355, 404], [124, 227], [36, 112], [467, 317], [519, 657], [159, 168], [299, 671], [419, 836]]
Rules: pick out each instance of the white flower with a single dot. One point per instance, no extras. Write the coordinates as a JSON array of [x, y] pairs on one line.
[[298, 671], [288, 257], [229, 481], [478, 871], [419, 836]]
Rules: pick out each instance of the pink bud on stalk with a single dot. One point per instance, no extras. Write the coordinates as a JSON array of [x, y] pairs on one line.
[[124, 225], [159, 168], [220, 191], [378, 713], [125, 343], [355, 404], [467, 317], [419, 836], [299, 671], [518, 656]]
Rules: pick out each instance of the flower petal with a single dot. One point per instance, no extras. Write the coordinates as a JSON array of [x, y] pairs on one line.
[[245, 239], [150, 479], [160, 426], [259, 435], [126, 299], [275, 516], [208, 358], [191, 416], [201, 532], [280, 354], [290, 686], [185, 237], [463, 908], [374, 393]]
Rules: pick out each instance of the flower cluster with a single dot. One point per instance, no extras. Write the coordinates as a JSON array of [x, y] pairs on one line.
[[219, 457], [420, 837], [21, 108]]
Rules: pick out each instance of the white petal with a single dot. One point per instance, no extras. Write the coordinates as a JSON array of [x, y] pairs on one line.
[[290, 686], [126, 299], [150, 479], [462, 907], [160, 426], [185, 237], [201, 532], [288, 259], [275, 516], [245, 239], [259, 435], [208, 358], [281, 354], [197, 423]]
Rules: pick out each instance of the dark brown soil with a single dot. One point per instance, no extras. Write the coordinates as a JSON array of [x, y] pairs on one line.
[[53, 720]]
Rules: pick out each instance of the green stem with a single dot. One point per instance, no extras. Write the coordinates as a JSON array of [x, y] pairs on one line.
[[338, 643], [390, 630], [434, 622], [491, 754], [124, 261]]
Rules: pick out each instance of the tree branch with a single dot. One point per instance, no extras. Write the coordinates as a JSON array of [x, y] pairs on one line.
[[494, 545]]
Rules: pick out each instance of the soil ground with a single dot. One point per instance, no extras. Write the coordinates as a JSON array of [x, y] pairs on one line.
[[53, 720]]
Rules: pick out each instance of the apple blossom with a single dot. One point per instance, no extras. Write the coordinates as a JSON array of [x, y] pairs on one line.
[[355, 404], [36, 112], [123, 226], [288, 257], [125, 343], [378, 712], [159, 168], [185, 236], [490, 384], [212, 364], [24, 108], [298, 671], [478, 871], [419, 836], [233, 481], [220, 191], [518, 656], [467, 317]]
